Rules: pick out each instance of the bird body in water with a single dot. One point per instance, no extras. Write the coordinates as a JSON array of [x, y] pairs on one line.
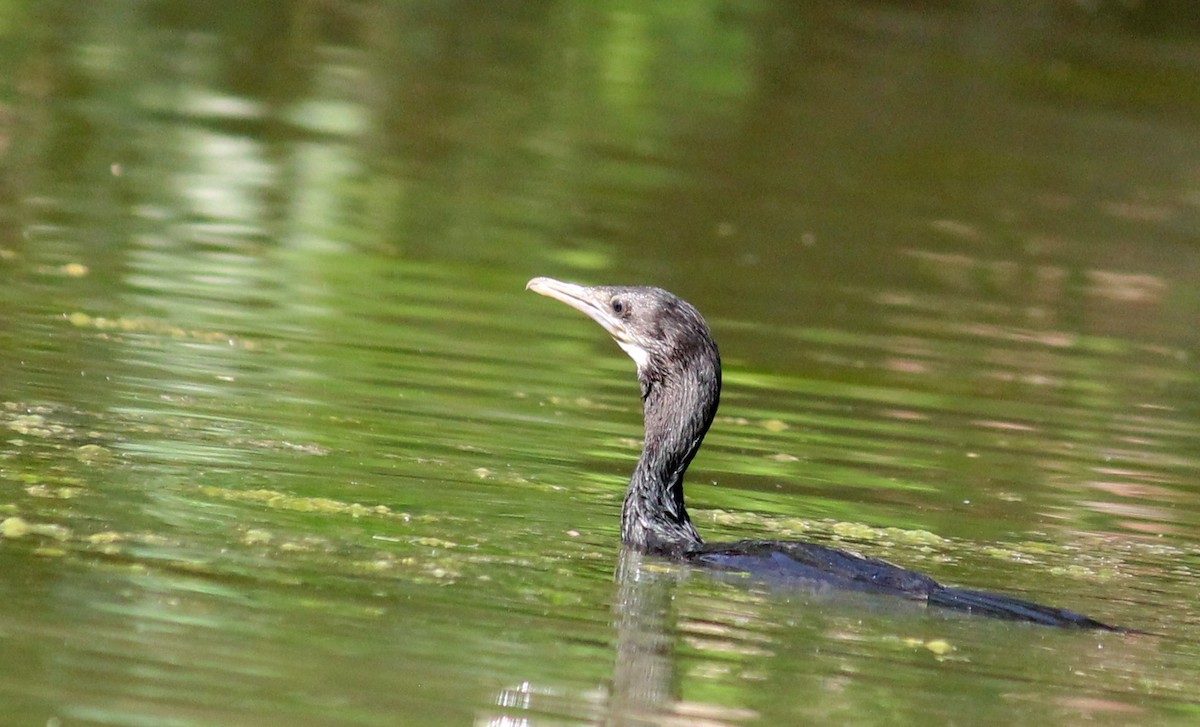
[[679, 369]]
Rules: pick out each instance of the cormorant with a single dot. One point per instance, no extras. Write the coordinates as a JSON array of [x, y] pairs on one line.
[[680, 372]]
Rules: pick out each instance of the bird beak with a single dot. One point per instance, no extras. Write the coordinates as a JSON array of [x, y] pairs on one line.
[[587, 300]]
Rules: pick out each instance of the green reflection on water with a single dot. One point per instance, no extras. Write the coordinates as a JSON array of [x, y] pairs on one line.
[[282, 441]]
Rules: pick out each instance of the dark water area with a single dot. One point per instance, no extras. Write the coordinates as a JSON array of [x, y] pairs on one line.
[[283, 440]]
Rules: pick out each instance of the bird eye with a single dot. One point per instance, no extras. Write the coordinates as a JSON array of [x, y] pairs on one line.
[[618, 305]]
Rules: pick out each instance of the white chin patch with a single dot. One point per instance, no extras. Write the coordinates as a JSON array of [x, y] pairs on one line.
[[639, 355]]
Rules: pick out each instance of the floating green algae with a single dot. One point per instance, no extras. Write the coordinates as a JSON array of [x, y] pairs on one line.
[[283, 501], [16, 527], [157, 328]]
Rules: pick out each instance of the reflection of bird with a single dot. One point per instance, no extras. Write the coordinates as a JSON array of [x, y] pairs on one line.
[[680, 372]]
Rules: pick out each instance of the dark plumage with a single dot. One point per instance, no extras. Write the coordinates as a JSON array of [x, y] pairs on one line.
[[680, 372]]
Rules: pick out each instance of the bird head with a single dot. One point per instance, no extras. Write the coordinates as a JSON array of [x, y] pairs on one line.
[[660, 331]]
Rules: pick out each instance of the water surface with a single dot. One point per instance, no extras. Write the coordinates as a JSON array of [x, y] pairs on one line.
[[285, 442]]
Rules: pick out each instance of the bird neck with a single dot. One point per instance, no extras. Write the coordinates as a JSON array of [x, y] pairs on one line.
[[679, 404]]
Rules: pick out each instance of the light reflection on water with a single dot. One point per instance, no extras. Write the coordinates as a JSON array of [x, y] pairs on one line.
[[286, 443]]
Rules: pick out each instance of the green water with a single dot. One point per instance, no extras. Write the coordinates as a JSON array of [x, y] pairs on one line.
[[284, 441]]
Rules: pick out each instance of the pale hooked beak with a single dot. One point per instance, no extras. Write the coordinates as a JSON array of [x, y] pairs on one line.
[[591, 301], [596, 303]]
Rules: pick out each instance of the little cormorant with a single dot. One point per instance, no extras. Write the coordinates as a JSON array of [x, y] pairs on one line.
[[680, 372]]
